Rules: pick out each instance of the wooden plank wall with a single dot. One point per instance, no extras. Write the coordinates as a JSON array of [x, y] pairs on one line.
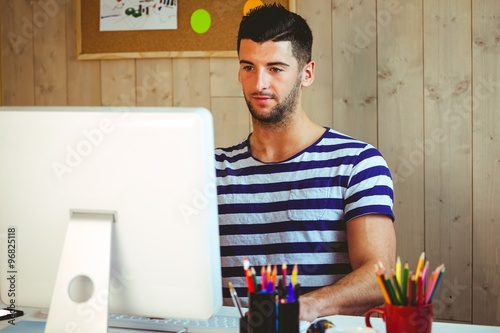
[[486, 160], [417, 78]]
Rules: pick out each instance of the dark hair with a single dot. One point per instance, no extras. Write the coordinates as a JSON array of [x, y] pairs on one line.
[[273, 22]]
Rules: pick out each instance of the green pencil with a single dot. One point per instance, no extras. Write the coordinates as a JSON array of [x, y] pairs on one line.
[[405, 279], [413, 291], [392, 293], [399, 292]]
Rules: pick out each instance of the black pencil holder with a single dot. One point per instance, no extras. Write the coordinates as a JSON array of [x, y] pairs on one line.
[[243, 325], [262, 313], [288, 317]]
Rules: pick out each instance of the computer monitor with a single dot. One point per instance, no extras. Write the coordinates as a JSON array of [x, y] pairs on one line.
[[143, 177]]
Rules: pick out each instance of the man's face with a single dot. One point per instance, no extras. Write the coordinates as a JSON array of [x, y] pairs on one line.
[[270, 79]]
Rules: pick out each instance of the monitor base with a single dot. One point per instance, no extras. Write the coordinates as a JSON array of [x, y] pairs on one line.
[[80, 297]]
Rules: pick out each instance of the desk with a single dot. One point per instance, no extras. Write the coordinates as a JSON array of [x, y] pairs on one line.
[[340, 321], [32, 314]]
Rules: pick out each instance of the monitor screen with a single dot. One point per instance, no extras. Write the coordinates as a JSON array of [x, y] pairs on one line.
[[151, 168]]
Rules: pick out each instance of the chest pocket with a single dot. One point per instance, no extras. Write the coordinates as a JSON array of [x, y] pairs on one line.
[[308, 202]]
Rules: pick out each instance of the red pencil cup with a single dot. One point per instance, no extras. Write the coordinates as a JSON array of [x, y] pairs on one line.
[[403, 318]]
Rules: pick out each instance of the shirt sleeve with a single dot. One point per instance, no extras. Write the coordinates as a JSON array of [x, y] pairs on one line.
[[370, 186]]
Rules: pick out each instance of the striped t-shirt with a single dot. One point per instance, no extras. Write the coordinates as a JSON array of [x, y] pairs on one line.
[[296, 211]]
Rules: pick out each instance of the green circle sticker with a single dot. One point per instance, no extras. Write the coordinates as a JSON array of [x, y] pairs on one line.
[[200, 21]]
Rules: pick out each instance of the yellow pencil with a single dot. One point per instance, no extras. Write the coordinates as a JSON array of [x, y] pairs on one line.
[[398, 270], [295, 271], [420, 264]]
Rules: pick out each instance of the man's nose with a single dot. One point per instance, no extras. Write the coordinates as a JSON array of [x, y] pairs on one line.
[[262, 80]]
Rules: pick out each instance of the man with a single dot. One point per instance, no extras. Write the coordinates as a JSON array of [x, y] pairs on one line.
[[297, 192]]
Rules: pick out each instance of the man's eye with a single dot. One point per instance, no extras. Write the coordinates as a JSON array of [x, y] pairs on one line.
[[247, 68], [276, 70]]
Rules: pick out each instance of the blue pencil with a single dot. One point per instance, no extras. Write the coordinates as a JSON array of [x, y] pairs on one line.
[[440, 276]]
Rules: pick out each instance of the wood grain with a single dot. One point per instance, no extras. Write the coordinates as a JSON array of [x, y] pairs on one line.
[[486, 162], [448, 150], [400, 118]]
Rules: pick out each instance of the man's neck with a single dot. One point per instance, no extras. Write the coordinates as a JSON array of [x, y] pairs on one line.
[[278, 143]]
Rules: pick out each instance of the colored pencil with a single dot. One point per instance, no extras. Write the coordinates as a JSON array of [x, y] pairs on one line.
[[399, 292], [248, 275], [405, 280], [424, 274], [263, 278], [398, 270], [274, 273], [290, 296], [410, 289], [295, 272], [420, 264], [403, 287], [419, 288], [380, 280], [392, 292], [283, 273], [250, 284], [430, 285], [439, 278], [413, 290]]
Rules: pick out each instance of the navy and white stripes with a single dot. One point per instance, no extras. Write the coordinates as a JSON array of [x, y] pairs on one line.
[[296, 211]]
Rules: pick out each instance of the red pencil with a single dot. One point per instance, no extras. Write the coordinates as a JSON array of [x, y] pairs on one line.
[[248, 275], [283, 273], [251, 287], [419, 288], [410, 288]]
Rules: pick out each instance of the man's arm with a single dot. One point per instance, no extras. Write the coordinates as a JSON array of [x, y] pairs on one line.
[[370, 239]]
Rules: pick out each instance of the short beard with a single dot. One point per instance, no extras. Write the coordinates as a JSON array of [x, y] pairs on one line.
[[280, 114]]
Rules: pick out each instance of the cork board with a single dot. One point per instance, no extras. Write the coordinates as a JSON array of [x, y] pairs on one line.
[[218, 41]]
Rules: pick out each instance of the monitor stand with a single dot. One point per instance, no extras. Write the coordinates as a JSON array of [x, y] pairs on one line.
[[80, 297]]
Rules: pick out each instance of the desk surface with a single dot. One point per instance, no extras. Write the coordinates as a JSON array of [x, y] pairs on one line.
[[339, 321]]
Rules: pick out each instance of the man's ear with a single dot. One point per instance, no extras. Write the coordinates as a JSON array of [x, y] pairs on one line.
[[308, 74]]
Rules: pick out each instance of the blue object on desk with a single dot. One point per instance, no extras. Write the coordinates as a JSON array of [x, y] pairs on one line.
[[25, 326]]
